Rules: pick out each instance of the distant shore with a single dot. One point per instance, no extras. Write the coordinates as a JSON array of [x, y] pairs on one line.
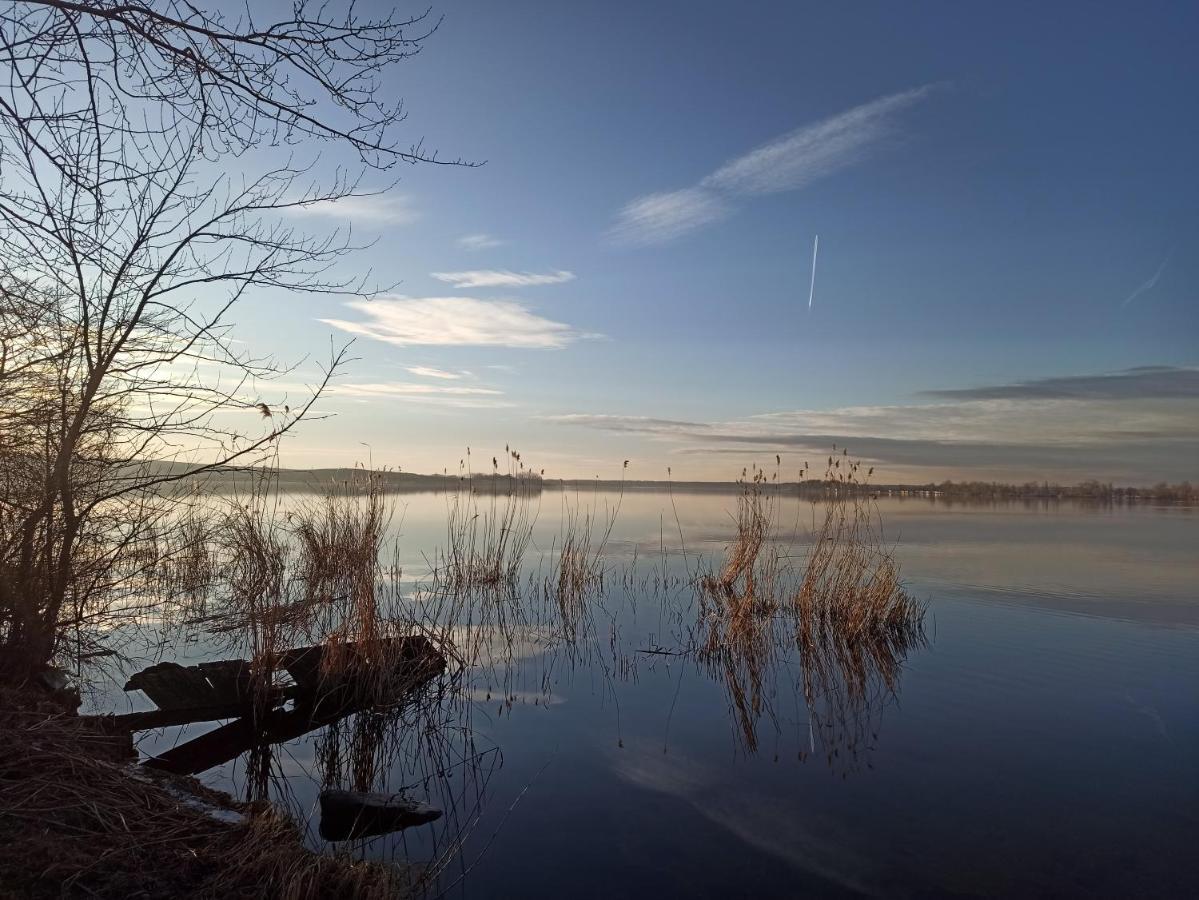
[[295, 480]]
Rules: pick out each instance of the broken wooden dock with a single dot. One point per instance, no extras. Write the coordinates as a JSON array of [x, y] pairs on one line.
[[224, 689]]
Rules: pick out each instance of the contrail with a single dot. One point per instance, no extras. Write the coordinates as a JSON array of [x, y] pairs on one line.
[[812, 286], [1151, 283]]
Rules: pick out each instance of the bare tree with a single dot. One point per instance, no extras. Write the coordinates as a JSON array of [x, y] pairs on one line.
[[137, 207]]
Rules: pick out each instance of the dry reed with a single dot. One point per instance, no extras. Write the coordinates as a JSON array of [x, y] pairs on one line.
[[77, 821], [489, 525]]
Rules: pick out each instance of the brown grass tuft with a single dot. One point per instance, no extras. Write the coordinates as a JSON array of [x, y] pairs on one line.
[[80, 822]]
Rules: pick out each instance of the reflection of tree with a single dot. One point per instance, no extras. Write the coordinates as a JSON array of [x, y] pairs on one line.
[[854, 624]]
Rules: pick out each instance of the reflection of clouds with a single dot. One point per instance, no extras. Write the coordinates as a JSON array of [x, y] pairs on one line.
[[767, 823], [484, 644], [648, 767]]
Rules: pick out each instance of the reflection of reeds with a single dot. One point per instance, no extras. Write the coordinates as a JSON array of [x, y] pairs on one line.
[[737, 606], [854, 622], [852, 619], [314, 578], [578, 565]]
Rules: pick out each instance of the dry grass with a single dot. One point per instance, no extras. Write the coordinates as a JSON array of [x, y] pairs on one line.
[[489, 526], [310, 576], [79, 822], [851, 589], [578, 559], [842, 602], [746, 586]]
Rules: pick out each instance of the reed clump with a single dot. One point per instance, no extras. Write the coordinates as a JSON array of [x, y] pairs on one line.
[[851, 588], [578, 558], [341, 578], [842, 601], [738, 604], [489, 525], [312, 576], [747, 582]]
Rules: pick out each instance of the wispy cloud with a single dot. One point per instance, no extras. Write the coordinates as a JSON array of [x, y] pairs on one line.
[[454, 321], [406, 389], [1141, 383], [657, 218], [479, 241], [382, 209], [437, 395], [627, 423], [1149, 284], [814, 151], [784, 164], [479, 278], [1134, 425], [430, 372]]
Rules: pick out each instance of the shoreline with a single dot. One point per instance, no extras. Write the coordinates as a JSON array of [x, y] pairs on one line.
[[79, 817]]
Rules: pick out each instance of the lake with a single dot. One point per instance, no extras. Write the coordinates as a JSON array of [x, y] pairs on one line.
[[1042, 739]]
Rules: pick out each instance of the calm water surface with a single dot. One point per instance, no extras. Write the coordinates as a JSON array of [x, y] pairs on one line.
[[1044, 741]]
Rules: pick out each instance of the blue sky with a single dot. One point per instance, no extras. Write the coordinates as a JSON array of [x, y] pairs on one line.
[[1003, 195]]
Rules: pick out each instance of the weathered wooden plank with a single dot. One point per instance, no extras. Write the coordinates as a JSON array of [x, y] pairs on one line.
[[234, 738], [230, 679], [303, 664], [172, 686], [196, 693], [312, 711]]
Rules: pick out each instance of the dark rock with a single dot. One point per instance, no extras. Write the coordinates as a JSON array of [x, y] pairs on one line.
[[346, 815]]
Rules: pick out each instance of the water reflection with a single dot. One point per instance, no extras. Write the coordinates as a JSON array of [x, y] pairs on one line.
[[815, 616], [610, 731]]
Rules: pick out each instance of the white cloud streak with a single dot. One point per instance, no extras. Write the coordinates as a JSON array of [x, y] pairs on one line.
[[480, 278], [378, 209], [405, 389], [814, 151], [658, 218], [479, 242], [454, 321], [627, 423], [430, 372], [787, 163], [1134, 426]]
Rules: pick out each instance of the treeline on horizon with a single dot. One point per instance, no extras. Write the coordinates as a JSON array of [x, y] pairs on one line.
[[320, 479], [1084, 490]]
